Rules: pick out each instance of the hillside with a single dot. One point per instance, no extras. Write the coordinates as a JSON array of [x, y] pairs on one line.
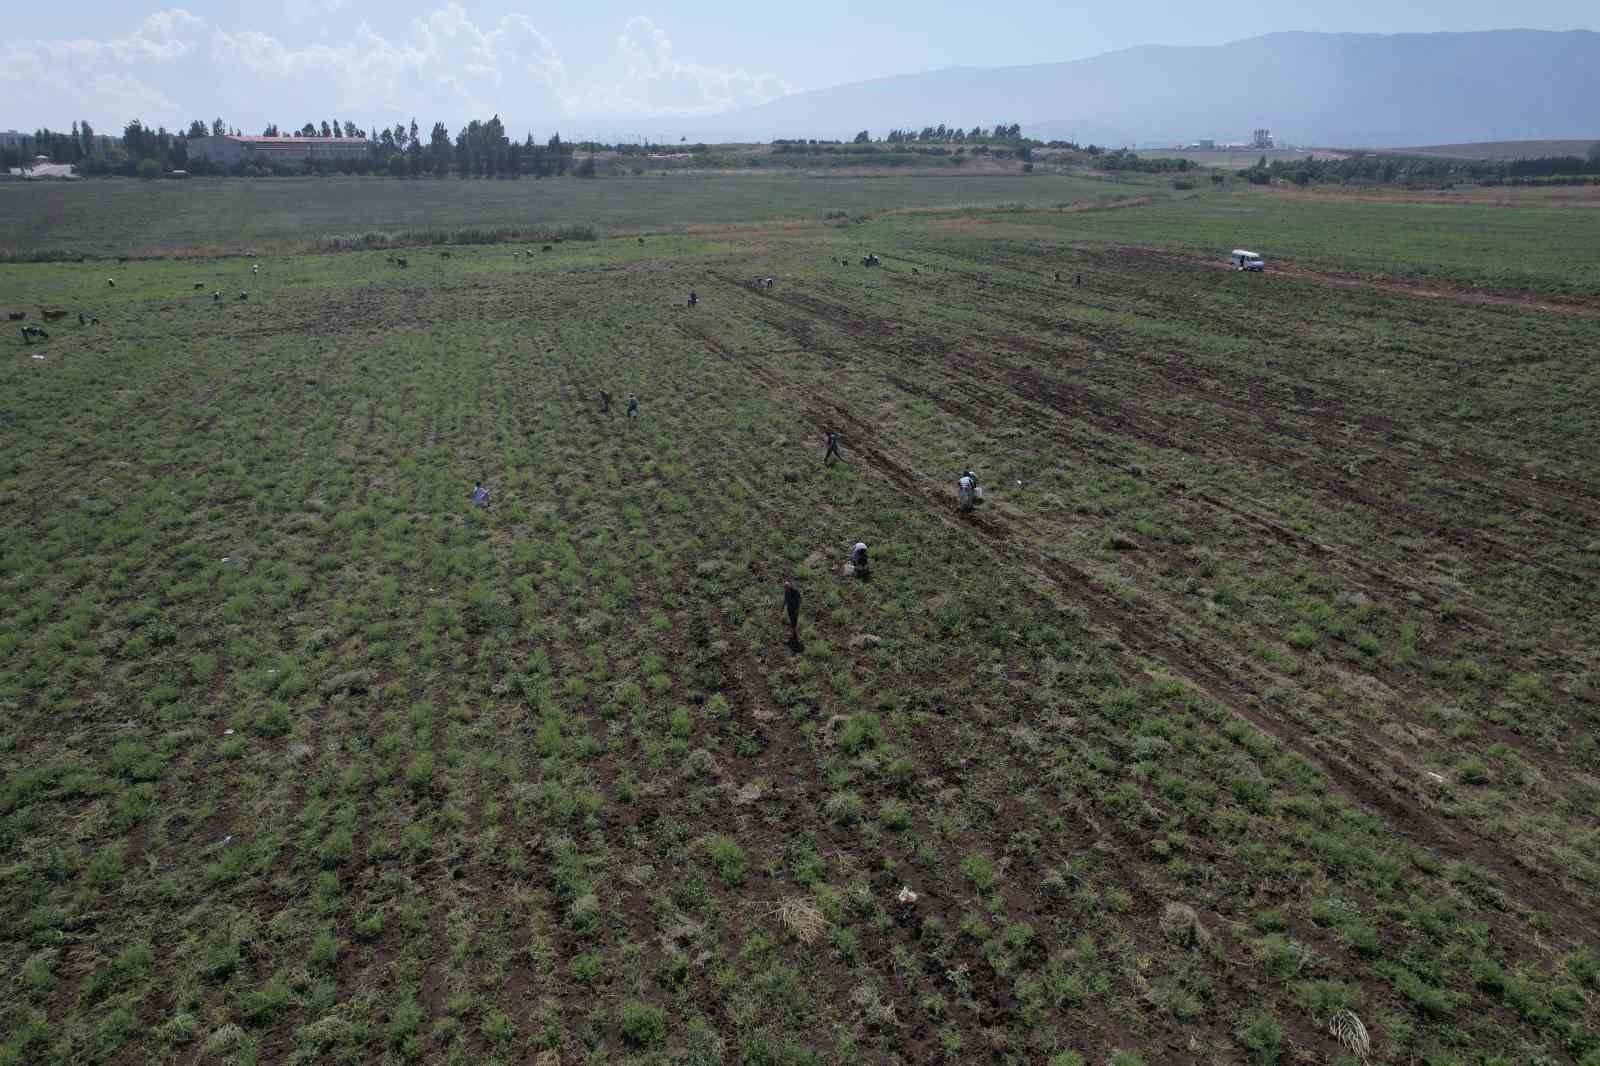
[[1352, 90], [1499, 150]]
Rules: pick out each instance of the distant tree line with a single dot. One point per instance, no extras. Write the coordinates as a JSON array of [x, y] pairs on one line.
[[482, 148], [1123, 160], [1384, 169], [71, 147], [1000, 132]]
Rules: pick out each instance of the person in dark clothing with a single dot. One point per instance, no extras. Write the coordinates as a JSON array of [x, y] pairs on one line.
[[1077, 279], [833, 448], [791, 604], [605, 402], [858, 558], [693, 299], [633, 406]]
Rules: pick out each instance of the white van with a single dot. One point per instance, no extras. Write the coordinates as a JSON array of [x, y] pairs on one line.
[[1243, 260]]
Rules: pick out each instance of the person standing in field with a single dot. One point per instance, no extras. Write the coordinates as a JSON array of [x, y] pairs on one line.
[[605, 402], [833, 448], [791, 604], [967, 490], [633, 406]]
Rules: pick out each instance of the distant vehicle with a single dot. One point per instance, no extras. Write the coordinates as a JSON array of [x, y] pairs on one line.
[[1243, 260]]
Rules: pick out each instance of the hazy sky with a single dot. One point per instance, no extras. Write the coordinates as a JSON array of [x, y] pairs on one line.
[[288, 61]]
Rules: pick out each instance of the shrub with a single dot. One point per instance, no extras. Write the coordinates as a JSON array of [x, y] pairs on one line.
[[643, 1026], [1323, 999], [324, 951], [585, 967], [863, 730], [263, 1004], [728, 858], [1424, 998], [1262, 1035], [498, 1026], [981, 871]]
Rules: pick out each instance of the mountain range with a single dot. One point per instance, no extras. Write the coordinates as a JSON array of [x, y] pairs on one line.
[[1325, 89]]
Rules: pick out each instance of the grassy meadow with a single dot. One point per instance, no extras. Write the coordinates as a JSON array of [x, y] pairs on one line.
[[118, 218], [1250, 719]]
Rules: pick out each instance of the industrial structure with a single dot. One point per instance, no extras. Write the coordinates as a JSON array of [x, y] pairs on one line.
[[228, 150]]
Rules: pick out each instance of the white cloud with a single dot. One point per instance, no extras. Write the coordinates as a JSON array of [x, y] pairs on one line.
[[304, 10], [83, 76], [656, 82], [444, 53], [442, 65]]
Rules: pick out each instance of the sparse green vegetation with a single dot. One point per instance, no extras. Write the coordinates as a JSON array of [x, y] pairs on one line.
[[1259, 691]]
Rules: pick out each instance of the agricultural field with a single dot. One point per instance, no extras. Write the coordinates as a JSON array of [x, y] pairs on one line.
[[1251, 718], [120, 217], [1542, 243]]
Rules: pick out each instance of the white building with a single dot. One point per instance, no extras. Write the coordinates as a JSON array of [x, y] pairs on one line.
[[230, 150]]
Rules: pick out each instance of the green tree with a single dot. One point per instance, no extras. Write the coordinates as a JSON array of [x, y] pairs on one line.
[[863, 137], [439, 150]]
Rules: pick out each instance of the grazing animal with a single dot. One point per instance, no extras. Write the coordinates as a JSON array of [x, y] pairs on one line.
[[546, 248], [244, 295], [112, 282], [30, 332], [16, 316], [444, 255], [217, 295], [515, 255], [81, 320], [122, 259], [51, 314], [914, 270], [400, 261], [255, 268], [199, 285], [641, 240]]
